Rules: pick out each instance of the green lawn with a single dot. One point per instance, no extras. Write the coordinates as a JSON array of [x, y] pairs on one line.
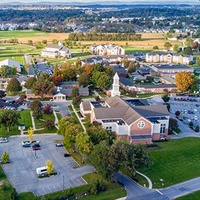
[[113, 191], [192, 196], [25, 119], [176, 161], [21, 34]]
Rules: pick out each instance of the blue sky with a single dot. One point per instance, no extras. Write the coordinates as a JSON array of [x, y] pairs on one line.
[[132, 1]]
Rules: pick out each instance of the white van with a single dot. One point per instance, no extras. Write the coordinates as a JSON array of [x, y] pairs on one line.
[[41, 170]]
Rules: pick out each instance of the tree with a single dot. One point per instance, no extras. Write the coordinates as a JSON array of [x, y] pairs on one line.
[[177, 113], [4, 71], [49, 124], [198, 61], [13, 87], [131, 67], [155, 47], [36, 107], [183, 81], [76, 101], [9, 118], [5, 157], [176, 48], [42, 87], [50, 167], [70, 133], [197, 128], [84, 79], [75, 92], [84, 145], [30, 82], [30, 134], [13, 70], [167, 45], [188, 50], [47, 109], [165, 98]]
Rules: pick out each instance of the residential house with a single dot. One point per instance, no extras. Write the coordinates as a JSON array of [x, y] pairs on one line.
[[132, 119], [165, 57]]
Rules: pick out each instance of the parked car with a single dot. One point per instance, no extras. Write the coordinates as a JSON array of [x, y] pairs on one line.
[[66, 155], [29, 143], [35, 148], [3, 140], [59, 145]]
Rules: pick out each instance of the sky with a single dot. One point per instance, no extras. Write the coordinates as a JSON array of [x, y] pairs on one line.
[[122, 1]]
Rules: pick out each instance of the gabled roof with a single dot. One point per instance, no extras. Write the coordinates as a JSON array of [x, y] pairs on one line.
[[86, 105]]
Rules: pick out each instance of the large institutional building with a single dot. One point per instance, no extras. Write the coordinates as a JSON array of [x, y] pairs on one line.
[[132, 119], [164, 57], [107, 50], [56, 50]]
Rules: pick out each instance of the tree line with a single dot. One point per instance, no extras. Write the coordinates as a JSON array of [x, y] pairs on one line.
[[104, 36]]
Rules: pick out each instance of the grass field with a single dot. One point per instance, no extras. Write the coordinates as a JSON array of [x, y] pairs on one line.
[[16, 52], [21, 34], [25, 119], [176, 161]]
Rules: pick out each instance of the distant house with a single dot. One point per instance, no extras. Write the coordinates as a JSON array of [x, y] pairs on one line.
[[11, 63], [171, 69], [56, 50], [107, 50], [129, 86], [164, 57], [131, 119]]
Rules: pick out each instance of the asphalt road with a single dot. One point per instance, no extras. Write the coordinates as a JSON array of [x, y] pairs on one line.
[[21, 172]]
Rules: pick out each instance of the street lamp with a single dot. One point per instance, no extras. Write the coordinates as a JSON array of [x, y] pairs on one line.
[[21, 127], [63, 183]]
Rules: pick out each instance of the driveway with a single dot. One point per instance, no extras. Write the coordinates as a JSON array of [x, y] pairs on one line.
[[21, 172]]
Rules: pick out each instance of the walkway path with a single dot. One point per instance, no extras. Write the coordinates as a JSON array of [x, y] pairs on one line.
[[79, 118], [56, 119], [147, 178]]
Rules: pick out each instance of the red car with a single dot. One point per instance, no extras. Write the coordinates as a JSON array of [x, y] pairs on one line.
[[35, 147]]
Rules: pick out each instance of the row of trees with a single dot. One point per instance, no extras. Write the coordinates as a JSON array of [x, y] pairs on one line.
[[100, 147], [95, 36]]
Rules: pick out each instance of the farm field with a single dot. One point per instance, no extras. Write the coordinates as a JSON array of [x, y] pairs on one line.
[[173, 162], [148, 39]]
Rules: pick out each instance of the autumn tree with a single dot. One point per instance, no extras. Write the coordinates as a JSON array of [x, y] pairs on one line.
[[42, 86], [9, 118], [50, 167], [13, 87], [84, 145], [84, 79], [29, 83], [5, 157], [30, 134], [49, 124], [183, 81]]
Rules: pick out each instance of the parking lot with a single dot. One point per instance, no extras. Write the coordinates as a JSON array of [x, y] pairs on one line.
[[190, 110], [21, 172]]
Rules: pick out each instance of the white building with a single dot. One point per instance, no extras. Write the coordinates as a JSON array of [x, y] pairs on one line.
[[56, 50], [107, 50], [11, 63]]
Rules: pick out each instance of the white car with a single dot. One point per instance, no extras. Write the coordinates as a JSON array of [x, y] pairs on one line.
[[3, 140]]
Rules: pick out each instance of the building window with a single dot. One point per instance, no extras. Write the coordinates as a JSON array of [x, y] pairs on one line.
[[141, 124], [162, 128], [109, 128]]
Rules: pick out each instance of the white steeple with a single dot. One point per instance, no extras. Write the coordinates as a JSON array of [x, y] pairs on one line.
[[115, 86]]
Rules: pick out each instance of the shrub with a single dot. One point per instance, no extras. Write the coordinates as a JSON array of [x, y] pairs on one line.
[[97, 186], [197, 128], [47, 109], [49, 124]]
